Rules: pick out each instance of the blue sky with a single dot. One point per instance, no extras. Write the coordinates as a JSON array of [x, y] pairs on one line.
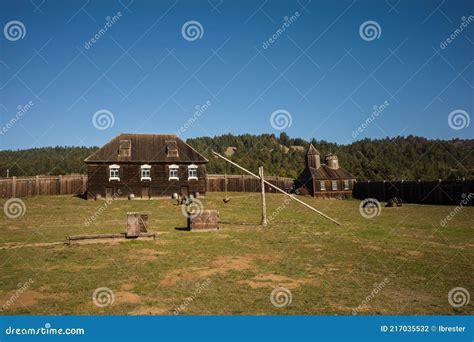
[[319, 72]]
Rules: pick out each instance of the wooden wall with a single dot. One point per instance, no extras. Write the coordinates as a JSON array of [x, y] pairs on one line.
[[245, 183], [424, 192], [77, 184], [130, 182], [42, 185]]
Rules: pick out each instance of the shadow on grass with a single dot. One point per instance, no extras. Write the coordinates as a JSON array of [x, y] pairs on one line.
[[186, 229]]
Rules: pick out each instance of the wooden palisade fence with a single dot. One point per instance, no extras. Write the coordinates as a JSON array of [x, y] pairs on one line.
[[76, 184], [423, 192]]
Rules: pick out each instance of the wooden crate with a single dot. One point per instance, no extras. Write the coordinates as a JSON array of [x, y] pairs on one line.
[[207, 219], [136, 223]]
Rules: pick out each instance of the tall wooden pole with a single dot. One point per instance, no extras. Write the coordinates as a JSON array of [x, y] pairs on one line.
[[277, 188], [264, 204]]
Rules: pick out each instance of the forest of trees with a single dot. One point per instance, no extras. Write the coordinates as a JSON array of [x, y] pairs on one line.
[[397, 158]]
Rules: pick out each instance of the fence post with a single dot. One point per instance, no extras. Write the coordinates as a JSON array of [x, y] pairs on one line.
[[37, 183], [384, 199], [14, 186], [419, 190], [243, 183], [439, 194], [401, 190], [368, 189], [84, 184], [264, 205], [60, 179]]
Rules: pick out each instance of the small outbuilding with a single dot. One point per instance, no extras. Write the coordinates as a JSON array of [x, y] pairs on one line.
[[327, 180], [145, 166]]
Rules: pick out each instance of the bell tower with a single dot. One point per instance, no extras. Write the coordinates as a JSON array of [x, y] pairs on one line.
[[312, 158]]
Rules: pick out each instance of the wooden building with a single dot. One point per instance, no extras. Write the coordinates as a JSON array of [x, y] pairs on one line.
[[145, 166], [324, 180]]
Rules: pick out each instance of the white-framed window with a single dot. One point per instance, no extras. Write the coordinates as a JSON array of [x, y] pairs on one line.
[[346, 184], [173, 172], [322, 185], [192, 172], [145, 172], [114, 173], [334, 185]]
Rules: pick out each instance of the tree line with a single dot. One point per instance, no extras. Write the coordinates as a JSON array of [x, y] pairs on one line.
[[407, 158]]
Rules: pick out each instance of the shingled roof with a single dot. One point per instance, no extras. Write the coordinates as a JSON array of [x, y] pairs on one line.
[[325, 172], [146, 148]]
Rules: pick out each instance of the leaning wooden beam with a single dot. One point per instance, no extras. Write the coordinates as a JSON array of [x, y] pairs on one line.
[[278, 189]]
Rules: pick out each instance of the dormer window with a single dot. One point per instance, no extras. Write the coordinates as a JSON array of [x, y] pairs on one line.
[[171, 148], [114, 172], [173, 172], [192, 172], [145, 171], [125, 148]]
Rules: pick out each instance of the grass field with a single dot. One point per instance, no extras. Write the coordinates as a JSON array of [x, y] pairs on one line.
[[400, 262]]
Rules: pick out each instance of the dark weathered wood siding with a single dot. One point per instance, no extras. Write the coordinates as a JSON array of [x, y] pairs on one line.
[[329, 192], [130, 180]]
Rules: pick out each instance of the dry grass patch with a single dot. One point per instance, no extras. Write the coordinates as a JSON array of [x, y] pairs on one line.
[[218, 266]]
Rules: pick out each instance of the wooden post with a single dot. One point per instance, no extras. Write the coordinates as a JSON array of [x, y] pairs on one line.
[[84, 184], [37, 186], [419, 191], [264, 205], [383, 191], [14, 186], [60, 180], [402, 192]]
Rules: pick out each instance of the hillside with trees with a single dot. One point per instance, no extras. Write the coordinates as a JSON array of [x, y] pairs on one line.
[[397, 158]]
